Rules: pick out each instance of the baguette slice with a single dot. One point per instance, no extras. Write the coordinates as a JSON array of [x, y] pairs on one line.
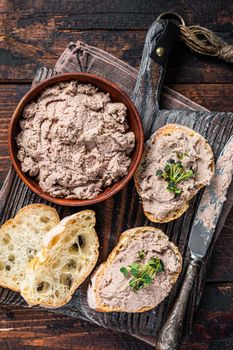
[[109, 290], [208, 162], [20, 240], [68, 255]]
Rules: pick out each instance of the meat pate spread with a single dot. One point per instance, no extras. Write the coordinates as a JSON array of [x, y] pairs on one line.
[[74, 140], [182, 147], [114, 288]]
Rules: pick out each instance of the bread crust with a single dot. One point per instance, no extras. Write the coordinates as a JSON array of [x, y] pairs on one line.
[[124, 240], [163, 131]]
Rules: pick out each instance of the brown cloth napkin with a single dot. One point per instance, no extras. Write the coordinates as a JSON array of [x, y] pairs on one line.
[[81, 57]]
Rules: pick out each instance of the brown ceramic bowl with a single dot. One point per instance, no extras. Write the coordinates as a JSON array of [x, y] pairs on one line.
[[117, 95]]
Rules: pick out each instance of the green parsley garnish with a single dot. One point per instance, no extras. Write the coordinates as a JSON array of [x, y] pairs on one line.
[[174, 173], [125, 271], [143, 274], [141, 254]]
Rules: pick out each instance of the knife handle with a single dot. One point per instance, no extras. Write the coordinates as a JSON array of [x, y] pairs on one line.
[[171, 332]]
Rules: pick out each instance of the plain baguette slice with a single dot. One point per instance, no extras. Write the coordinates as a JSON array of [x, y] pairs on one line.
[[68, 255], [108, 275], [20, 240], [164, 131]]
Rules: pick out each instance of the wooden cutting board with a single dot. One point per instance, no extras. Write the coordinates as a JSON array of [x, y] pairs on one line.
[[124, 210]]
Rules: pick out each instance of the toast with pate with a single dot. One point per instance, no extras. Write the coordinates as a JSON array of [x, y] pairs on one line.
[[138, 274], [177, 162], [68, 255], [20, 240]]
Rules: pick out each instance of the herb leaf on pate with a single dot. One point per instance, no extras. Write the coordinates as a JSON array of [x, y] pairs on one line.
[[143, 274], [174, 173]]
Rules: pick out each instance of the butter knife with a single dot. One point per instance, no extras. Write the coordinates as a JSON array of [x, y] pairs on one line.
[[201, 234]]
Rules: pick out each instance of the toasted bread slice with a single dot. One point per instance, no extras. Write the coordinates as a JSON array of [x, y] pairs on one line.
[[68, 255], [109, 289], [21, 239], [208, 162]]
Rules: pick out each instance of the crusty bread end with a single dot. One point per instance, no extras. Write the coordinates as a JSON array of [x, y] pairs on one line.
[[21, 238], [68, 255]]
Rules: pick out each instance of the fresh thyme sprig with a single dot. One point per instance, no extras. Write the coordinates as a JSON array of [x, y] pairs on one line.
[[143, 274], [174, 173]]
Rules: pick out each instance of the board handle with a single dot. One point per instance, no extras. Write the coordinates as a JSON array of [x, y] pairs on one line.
[[159, 42], [171, 332]]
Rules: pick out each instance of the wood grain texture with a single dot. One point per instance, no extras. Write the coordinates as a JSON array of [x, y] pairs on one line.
[[215, 97], [220, 268], [108, 14], [29, 329], [213, 327], [34, 24], [219, 130], [44, 330], [36, 34], [10, 95]]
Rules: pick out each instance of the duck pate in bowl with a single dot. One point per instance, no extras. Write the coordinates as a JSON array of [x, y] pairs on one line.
[[75, 139]]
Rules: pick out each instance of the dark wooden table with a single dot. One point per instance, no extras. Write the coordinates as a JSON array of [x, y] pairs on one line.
[[33, 34]]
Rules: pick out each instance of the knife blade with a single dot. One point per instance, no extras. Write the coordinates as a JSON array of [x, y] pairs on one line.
[[201, 235], [211, 204]]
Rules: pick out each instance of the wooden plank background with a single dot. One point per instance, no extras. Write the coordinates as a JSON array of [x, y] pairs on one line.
[[33, 34]]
